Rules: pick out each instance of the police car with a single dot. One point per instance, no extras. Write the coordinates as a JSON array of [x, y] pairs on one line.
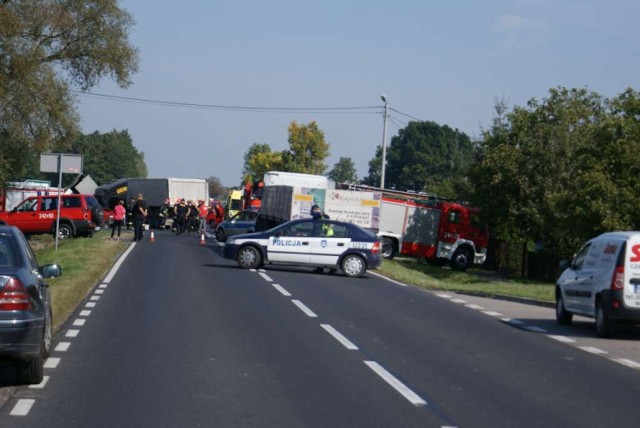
[[308, 242]]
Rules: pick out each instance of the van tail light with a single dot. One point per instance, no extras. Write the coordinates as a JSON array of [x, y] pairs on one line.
[[376, 248], [13, 296], [617, 281]]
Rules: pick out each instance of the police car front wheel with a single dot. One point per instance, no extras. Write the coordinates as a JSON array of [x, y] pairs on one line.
[[249, 258], [353, 265]]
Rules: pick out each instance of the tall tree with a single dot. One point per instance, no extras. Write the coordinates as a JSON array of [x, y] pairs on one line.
[[47, 48], [373, 179], [561, 170], [343, 171], [307, 149], [259, 159], [109, 156], [425, 156]]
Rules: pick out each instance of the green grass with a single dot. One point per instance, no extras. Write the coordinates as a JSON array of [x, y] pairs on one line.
[[84, 262], [475, 281]]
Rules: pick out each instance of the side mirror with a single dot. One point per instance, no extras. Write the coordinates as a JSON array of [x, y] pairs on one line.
[[50, 271], [564, 264]]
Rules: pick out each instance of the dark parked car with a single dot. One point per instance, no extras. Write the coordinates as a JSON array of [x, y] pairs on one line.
[[25, 306], [243, 222]]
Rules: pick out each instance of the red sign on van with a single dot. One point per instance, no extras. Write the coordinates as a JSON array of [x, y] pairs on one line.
[[636, 253]]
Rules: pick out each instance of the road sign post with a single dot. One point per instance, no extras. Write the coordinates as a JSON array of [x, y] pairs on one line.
[[60, 163]]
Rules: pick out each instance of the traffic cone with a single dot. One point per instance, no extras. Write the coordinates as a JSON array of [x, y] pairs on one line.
[[202, 239], [152, 238]]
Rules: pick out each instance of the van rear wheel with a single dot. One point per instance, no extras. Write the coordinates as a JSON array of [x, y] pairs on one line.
[[604, 325]]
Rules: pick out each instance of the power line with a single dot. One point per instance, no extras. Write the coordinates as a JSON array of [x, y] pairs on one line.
[[334, 110], [405, 114]]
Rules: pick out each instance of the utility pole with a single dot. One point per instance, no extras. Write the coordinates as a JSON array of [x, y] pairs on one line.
[[384, 143]]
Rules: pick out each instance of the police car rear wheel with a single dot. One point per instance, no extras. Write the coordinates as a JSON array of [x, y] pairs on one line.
[[249, 258], [353, 266]]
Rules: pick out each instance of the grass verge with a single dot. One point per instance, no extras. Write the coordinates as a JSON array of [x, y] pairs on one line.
[[84, 262], [474, 281]]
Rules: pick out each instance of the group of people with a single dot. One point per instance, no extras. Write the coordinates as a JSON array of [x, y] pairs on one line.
[[134, 214], [190, 217]]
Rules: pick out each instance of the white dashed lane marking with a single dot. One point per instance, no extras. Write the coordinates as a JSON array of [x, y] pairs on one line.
[[99, 291], [22, 407], [281, 290], [593, 350], [63, 347], [265, 276], [407, 393], [79, 322], [72, 333], [534, 329], [90, 305], [458, 301], [563, 339], [476, 307], [492, 313], [103, 286], [444, 295], [304, 309], [51, 363], [339, 337], [627, 362], [94, 298], [85, 313]]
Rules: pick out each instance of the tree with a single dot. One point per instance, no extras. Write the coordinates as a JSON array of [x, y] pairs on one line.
[[46, 48], [258, 160], [373, 179], [110, 156], [425, 156], [307, 149], [343, 171], [216, 189], [562, 170]]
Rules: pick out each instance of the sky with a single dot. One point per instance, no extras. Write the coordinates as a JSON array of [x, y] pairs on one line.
[[443, 61]]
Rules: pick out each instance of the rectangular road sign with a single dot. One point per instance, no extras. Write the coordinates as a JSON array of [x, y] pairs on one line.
[[71, 164]]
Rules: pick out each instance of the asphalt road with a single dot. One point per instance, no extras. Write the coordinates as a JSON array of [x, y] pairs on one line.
[[180, 337]]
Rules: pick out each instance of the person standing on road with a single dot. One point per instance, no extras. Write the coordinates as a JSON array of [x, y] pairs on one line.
[[203, 210], [181, 211], [139, 214], [119, 213], [130, 207]]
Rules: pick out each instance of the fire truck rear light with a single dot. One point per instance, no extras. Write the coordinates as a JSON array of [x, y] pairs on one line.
[[14, 296]]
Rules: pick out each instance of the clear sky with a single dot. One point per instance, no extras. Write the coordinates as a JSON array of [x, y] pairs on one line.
[[445, 61]]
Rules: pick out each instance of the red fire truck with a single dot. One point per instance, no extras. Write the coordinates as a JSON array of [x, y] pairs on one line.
[[421, 225]]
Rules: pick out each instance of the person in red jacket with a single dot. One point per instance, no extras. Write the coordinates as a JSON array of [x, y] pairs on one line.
[[119, 213]]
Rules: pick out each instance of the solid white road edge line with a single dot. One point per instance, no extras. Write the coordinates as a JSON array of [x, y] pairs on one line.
[[281, 290], [22, 407], [115, 267], [265, 276], [396, 384], [388, 279], [304, 309], [339, 337], [42, 384]]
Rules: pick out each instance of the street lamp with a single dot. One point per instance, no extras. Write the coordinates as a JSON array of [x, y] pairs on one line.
[[384, 143]]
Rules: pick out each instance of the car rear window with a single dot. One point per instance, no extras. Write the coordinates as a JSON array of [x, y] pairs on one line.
[[8, 251], [362, 233]]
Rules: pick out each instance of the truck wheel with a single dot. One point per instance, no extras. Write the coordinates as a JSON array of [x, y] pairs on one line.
[[353, 266], [604, 325], [461, 259], [65, 231], [249, 258], [562, 316], [220, 236], [388, 248]]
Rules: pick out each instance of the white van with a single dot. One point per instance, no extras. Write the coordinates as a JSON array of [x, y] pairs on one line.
[[602, 282]]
